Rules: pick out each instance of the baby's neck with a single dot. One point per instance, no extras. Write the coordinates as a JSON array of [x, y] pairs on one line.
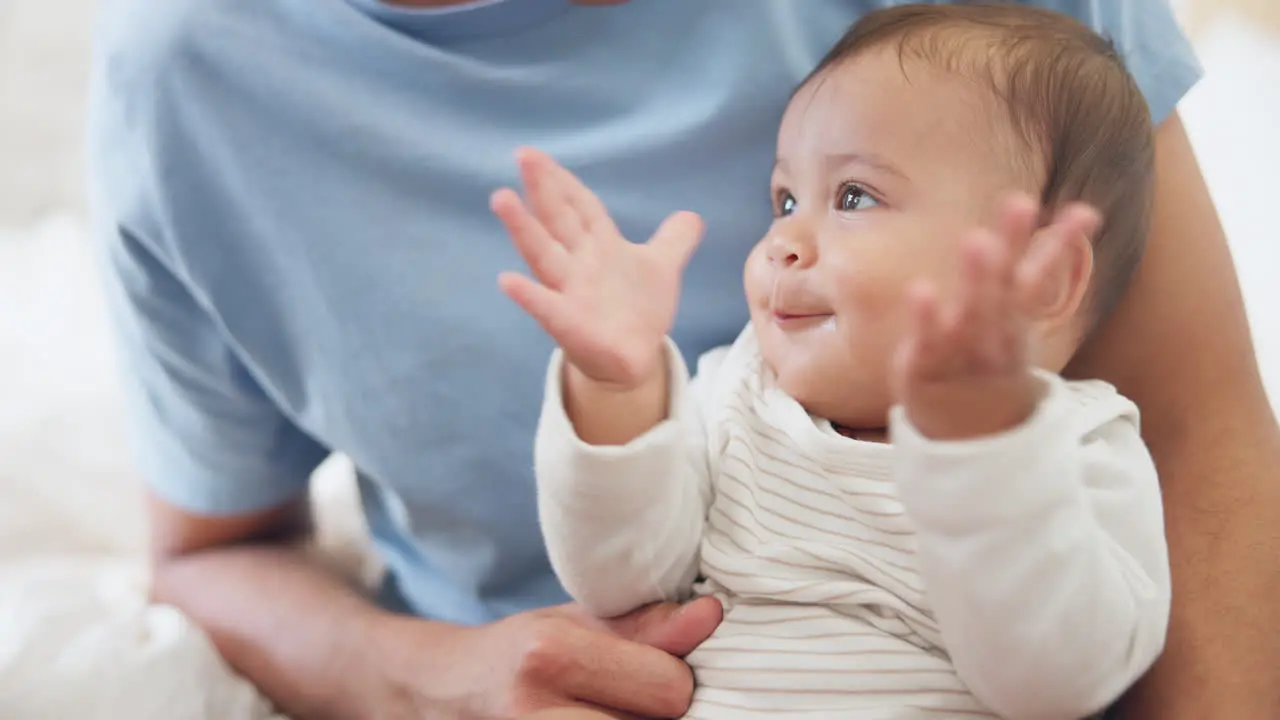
[[875, 435]]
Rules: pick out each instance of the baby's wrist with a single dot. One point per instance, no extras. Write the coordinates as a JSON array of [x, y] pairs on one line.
[[998, 406], [655, 367], [611, 413]]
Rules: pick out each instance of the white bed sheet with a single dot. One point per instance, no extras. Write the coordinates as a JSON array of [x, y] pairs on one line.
[[78, 638]]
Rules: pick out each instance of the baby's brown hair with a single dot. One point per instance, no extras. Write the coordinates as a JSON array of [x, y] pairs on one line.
[[1071, 103]]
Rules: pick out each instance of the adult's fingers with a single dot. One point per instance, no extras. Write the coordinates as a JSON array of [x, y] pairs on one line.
[[608, 671], [546, 258], [674, 629], [578, 711]]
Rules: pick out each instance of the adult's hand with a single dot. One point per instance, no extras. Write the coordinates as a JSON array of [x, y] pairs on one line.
[[554, 658], [320, 650]]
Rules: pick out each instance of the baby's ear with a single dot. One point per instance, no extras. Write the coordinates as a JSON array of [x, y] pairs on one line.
[[1058, 300]]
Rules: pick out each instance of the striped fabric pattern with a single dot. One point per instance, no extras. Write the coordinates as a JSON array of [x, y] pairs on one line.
[[812, 554]]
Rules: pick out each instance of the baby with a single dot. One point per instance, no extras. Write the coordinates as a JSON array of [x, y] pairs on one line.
[[904, 509]]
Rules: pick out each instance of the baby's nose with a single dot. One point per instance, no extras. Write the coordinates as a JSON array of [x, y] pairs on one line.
[[788, 249], [784, 257]]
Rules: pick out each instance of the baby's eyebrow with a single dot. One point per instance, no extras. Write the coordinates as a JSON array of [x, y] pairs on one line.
[[832, 160], [875, 162]]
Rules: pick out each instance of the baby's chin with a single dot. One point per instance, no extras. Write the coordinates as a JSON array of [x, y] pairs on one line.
[[861, 405]]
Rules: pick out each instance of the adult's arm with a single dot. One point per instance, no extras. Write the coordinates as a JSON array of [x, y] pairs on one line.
[[298, 633], [320, 650], [227, 452], [228, 470], [1179, 346]]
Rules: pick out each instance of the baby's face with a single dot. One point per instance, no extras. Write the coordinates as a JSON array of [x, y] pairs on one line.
[[879, 175]]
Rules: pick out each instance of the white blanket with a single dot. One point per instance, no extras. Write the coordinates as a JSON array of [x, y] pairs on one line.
[[78, 638]]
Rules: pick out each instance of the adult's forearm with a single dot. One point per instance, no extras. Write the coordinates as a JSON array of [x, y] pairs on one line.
[[285, 623], [1222, 510], [1179, 346]]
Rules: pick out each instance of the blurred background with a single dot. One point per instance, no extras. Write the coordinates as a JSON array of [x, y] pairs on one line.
[[66, 485]]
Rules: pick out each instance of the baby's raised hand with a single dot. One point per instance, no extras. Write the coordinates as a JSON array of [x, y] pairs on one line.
[[608, 302], [964, 369]]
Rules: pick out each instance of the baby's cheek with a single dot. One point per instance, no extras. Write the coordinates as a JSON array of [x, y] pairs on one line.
[[754, 277], [873, 293], [875, 316]]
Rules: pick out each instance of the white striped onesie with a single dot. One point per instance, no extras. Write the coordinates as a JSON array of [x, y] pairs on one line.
[[1023, 575]]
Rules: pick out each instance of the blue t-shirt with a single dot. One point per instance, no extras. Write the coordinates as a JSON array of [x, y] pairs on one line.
[[292, 199]]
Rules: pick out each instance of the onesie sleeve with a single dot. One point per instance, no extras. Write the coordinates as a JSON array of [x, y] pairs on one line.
[[1043, 552], [623, 524]]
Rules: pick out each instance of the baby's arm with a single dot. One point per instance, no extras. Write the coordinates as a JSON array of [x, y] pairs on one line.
[[621, 503], [623, 521], [1037, 509], [1043, 554], [607, 414]]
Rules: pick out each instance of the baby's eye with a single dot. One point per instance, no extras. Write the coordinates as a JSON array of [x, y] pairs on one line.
[[853, 197], [784, 204]]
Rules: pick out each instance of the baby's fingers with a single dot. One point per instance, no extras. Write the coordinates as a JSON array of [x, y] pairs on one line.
[[989, 320], [546, 306], [546, 258], [678, 237], [1036, 271], [984, 297], [1077, 219], [1018, 217], [591, 212], [922, 355], [1039, 267], [548, 197]]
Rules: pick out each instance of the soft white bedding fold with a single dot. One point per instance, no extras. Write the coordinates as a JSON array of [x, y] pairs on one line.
[[78, 638]]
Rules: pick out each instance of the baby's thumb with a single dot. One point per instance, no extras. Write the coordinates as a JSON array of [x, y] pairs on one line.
[[678, 236]]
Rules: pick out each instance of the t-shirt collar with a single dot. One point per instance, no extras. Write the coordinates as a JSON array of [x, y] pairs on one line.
[[477, 19]]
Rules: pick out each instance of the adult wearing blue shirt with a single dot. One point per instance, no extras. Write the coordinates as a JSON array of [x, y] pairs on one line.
[[292, 198]]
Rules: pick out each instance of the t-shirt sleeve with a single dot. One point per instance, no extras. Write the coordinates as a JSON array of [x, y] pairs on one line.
[[208, 438], [1155, 49]]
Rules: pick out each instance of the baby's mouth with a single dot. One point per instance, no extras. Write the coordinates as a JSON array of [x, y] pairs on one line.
[[800, 320], [794, 307]]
